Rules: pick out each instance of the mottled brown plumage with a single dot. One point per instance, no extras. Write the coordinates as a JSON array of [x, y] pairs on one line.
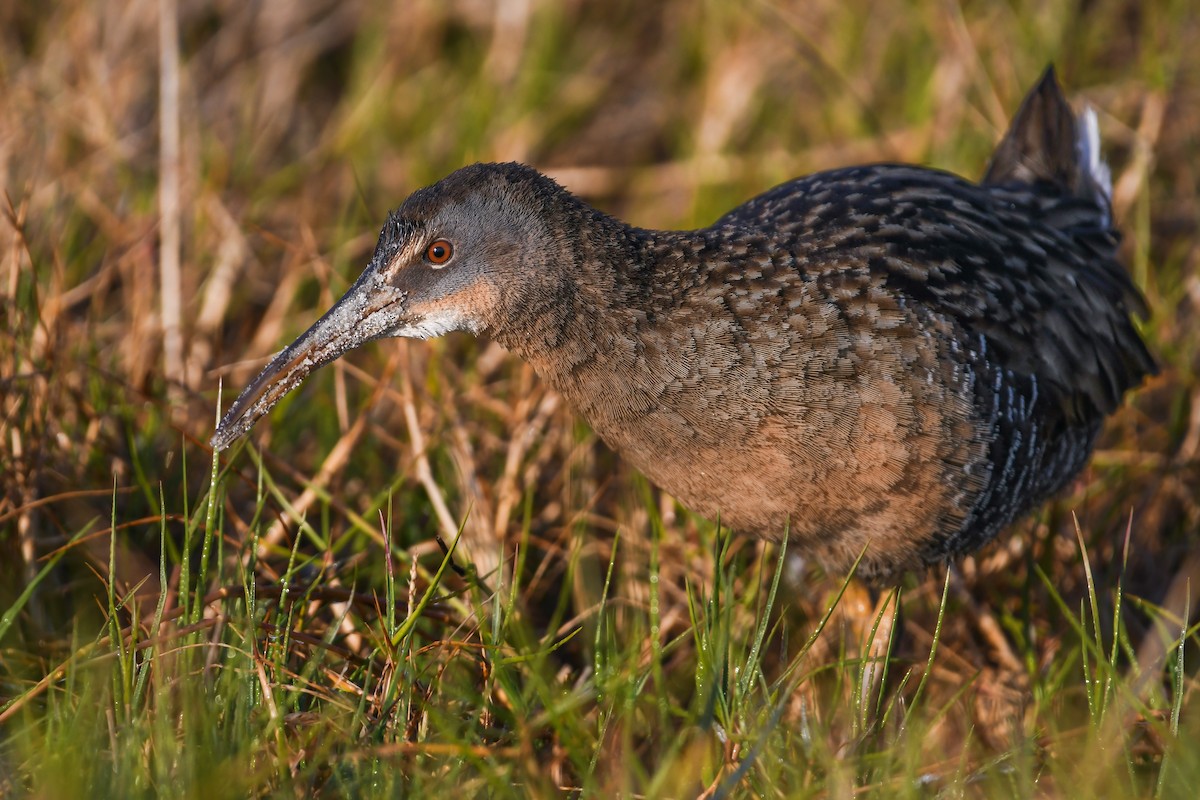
[[884, 359]]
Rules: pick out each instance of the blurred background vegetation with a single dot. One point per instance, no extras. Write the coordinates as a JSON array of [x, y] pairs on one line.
[[299, 125]]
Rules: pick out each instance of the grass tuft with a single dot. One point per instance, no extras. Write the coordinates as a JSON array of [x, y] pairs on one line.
[[424, 574]]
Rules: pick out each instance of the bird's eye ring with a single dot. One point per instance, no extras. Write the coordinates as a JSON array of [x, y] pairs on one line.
[[439, 252]]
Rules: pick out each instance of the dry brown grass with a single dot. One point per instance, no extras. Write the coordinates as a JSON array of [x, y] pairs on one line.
[[301, 124]]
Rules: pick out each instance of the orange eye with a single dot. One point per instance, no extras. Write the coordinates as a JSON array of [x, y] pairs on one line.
[[439, 252]]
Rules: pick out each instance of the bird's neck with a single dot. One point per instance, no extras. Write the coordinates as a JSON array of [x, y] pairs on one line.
[[580, 325]]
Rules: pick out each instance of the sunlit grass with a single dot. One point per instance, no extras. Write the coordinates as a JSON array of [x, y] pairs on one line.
[[234, 684], [422, 573]]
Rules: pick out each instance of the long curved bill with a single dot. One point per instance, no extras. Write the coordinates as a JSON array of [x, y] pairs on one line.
[[367, 311]]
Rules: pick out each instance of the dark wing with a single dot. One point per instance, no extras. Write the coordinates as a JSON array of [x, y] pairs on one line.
[[1027, 259], [1030, 271]]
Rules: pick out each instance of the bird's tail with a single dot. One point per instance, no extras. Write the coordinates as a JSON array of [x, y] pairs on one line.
[[1048, 143], [1051, 158]]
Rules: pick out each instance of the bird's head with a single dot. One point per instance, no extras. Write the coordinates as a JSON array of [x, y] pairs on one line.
[[458, 255]]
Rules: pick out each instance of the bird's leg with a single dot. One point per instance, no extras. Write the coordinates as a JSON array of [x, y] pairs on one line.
[[877, 632], [861, 634]]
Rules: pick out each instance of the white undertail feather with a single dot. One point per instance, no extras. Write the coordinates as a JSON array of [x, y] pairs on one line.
[[1087, 148]]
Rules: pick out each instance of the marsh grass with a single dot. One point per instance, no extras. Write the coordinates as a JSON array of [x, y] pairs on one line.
[[422, 574]]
